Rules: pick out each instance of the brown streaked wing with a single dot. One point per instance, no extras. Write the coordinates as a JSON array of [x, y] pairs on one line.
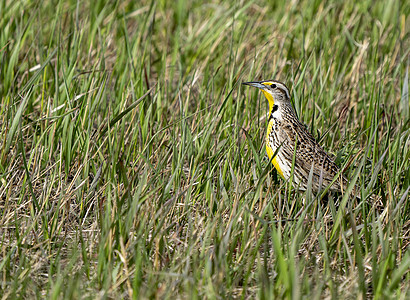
[[308, 152]]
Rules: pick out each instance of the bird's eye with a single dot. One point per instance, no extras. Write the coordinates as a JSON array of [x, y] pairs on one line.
[[273, 86]]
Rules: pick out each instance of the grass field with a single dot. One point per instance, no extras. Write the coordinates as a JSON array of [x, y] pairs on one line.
[[133, 161]]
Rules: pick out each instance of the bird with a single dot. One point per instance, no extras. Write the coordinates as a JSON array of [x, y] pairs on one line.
[[288, 140]]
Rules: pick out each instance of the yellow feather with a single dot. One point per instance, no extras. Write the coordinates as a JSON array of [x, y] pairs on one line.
[[270, 99], [270, 152]]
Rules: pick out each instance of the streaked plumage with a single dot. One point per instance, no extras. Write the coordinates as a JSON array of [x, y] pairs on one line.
[[285, 132]]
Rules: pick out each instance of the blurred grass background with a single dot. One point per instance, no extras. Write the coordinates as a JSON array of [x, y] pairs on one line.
[[133, 162]]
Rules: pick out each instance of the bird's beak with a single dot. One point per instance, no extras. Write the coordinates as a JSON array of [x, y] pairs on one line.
[[256, 84]]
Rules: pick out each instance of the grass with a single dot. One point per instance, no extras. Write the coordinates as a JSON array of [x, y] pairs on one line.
[[133, 162]]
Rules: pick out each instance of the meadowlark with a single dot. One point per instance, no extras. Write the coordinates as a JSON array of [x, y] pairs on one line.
[[288, 139]]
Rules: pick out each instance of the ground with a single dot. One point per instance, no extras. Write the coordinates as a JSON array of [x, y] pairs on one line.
[[133, 162]]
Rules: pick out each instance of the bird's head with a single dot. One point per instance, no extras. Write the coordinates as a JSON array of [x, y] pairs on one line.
[[274, 91]]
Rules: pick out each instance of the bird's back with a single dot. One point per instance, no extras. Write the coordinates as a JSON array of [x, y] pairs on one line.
[[289, 133]]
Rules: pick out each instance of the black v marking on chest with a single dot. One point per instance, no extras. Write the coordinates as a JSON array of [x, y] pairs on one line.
[[274, 108]]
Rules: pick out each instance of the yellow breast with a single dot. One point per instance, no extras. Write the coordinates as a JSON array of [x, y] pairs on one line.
[[271, 151]]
